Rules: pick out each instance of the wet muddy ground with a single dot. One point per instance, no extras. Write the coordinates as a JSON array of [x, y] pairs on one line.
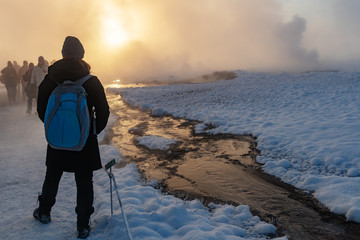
[[221, 169]]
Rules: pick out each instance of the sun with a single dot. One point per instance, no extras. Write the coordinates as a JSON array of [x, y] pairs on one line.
[[113, 32]]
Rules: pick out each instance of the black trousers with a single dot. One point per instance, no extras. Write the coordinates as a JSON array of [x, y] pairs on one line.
[[84, 196]]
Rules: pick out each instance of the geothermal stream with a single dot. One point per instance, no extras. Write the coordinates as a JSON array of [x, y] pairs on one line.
[[221, 169]]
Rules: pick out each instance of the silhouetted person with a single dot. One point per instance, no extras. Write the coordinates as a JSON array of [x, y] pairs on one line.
[[10, 78], [17, 68], [39, 71], [30, 89], [38, 74], [21, 73], [83, 162]]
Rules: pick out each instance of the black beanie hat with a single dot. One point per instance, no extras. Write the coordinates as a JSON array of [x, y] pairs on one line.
[[72, 48]]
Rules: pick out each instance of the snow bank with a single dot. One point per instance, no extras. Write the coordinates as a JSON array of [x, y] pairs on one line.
[[307, 125]]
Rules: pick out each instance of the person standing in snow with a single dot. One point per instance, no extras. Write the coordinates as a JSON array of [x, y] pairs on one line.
[[39, 72], [9, 78], [21, 73], [30, 89], [17, 68], [37, 76], [83, 162]]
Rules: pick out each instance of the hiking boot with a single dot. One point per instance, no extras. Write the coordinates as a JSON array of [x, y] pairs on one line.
[[83, 232], [43, 218]]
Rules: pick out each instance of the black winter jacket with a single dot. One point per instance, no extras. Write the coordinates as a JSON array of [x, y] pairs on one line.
[[89, 157], [10, 76]]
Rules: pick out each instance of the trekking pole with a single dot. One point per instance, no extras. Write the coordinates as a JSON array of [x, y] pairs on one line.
[[112, 179], [107, 166], [111, 196]]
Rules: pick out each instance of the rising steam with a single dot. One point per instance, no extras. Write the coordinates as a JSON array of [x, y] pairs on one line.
[[180, 38]]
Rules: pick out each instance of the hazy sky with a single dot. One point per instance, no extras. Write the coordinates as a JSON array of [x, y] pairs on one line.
[[136, 39]]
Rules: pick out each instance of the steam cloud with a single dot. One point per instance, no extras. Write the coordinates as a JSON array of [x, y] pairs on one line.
[[182, 38]]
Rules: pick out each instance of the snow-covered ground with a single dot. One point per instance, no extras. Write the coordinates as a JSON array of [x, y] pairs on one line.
[[307, 125], [156, 142], [151, 215]]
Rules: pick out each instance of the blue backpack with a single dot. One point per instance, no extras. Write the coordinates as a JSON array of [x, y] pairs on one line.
[[67, 118]]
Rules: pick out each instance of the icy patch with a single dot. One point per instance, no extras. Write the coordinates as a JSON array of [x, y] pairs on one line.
[[265, 228], [199, 128], [353, 172], [158, 112], [156, 142], [353, 214]]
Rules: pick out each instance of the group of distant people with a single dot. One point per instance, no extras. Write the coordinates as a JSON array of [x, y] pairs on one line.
[[23, 81]]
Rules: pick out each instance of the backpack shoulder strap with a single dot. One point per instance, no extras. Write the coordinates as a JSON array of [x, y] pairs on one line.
[[79, 82], [82, 80]]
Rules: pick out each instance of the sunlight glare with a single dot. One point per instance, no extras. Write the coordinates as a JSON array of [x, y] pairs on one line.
[[114, 30], [114, 34]]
